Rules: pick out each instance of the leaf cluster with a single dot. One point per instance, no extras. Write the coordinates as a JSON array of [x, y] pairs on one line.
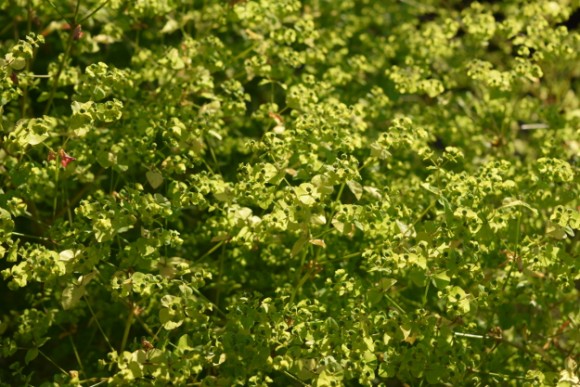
[[289, 192]]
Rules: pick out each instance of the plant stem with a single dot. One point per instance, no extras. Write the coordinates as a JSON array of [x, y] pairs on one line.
[[77, 356], [52, 362], [98, 324], [62, 63], [128, 324], [93, 11]]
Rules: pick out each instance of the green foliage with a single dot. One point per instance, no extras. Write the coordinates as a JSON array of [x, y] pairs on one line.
[[265, 192]]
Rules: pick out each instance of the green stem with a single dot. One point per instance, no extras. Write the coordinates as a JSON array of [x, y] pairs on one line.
[[469, 335], [219, 279], [30, 236], [56, 9], [395, 304], [103, 380], [426, 292], [98, 324], [25, 96], [55, 199], [128, 324], [503, 376], [516, 252], [57, 76], [77, 356], [210, 251], [199, 294], [299, 280], [6, 28], [339, 195], [93, 11], [366, 163], [52, 362], [245, 52], [63, 61], [295, 378]]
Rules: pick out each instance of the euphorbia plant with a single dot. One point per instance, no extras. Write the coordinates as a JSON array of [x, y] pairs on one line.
[[289, 193]]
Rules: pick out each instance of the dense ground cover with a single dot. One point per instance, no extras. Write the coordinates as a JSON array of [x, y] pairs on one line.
[[289, 192]]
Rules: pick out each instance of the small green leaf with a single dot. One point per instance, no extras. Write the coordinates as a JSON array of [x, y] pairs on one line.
[[440, 280], [35, 139], [171, 26], [13, 253], [71, 296], [323, 184], [184, 343], [31, 354], [164, 315], [327, 379], [154, 178], [374, 296], [385, 284], [556, 231], [306, 193], [67, 255], [299, 245], [406, 230], [171, 325], [355, 188], [509, 202], [17, 63]]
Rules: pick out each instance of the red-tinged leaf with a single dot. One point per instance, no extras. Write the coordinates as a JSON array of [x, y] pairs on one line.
[[65, 159], [147, 346], [277, 118], [78, 32], [14, 78]]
